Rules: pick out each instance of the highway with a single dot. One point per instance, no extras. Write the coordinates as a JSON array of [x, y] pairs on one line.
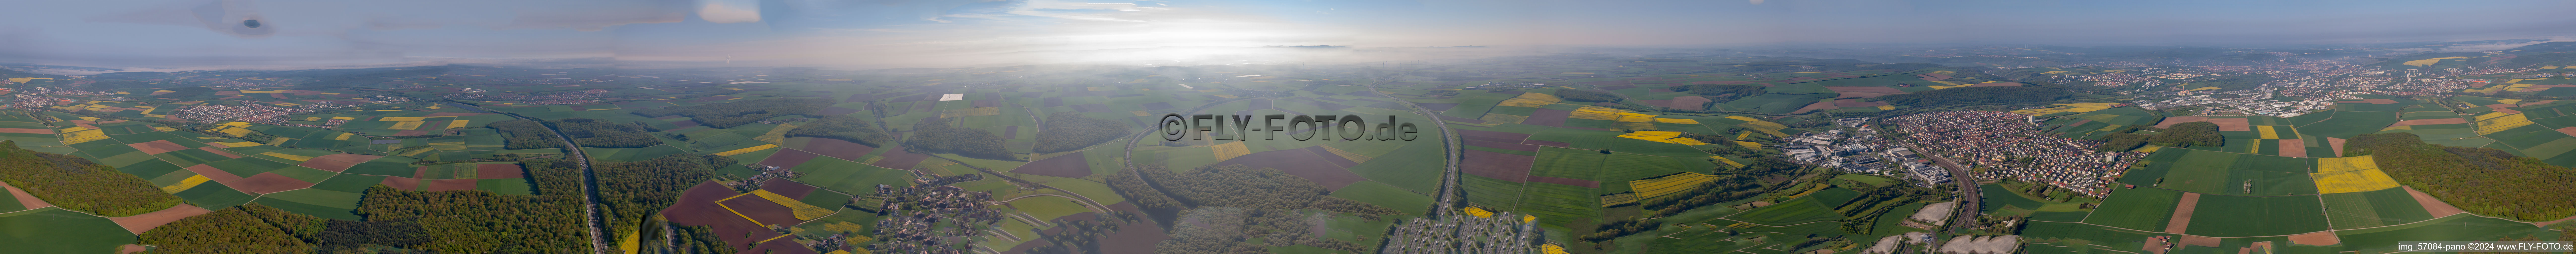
[[1967, 209]]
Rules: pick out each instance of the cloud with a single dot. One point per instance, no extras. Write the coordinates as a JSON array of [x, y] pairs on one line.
[[729, 11]]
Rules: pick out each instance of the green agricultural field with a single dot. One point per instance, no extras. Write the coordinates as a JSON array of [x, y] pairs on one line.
[[1559, 204], [2373, 208], [847, 176], [1048, 207], [2083, 236], [1813, 207], [1421, 176], [1490, 193], [54, 230], [2218, 180], [2234, 216], [825, 199], [214, 195], [2146, 209], [1386, 195], [2460, 227]]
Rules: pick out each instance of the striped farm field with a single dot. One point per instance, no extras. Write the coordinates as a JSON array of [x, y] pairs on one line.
[[2236, 216], [2144, 209], [2373, 208]]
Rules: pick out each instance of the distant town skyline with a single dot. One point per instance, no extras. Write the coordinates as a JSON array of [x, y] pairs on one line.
[[202, 34]]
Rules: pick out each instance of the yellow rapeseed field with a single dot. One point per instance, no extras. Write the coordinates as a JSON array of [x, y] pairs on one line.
[[2350, 174]]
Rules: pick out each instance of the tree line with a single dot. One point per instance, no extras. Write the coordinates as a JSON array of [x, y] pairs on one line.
[[2188, 134], [730, 114], [936, 136], [1977, 96], [631, 192], [596, 133], [77, 184], [524, 134], [2480, 180], [1068, 131], [843, 128]]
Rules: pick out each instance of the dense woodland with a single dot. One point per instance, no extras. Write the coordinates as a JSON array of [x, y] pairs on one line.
[[2189, 134], [730, 114], [75, 183], [1722, 91], [2480, 180], [1234, 203], [255, 228], [185, 92], [596, 133], [2123, 141], [477, 221], [1083, 236], [1068, 131], [936, 136], [1977, 96], [524, 134], [843, 128], [1587, 95], [630, 192]]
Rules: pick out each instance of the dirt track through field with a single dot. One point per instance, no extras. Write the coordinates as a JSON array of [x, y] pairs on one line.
[[2182, 213]]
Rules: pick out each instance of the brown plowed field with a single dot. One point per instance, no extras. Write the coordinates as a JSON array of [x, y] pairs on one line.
[[1300, 162], [145, 222], [780, 246], [499, 171], [2321, 238], [27, 200], [1071, 165], [1499, 166], [220, 152], [697, 207], [896, 158], [788, 158], [837, 148], [216, 174], [2182, 213], [1820, 105], [2224, 124], [2432, 205], [1546, 143], [1566, 181], [2336, 144], [2294, 148], [265, 183], [784, 187], [761, 210], [1505, 145], [1548, 117], [157, 146]]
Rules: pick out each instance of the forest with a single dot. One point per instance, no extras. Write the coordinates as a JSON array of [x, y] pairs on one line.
[[75, 183], [185, 92], [1977, 96], [524, 134], [630, 192], [477, 221], [1727, 91], [596, 133], [1587, 95], [2189, 134], [730, 114], [843, 128], [936, 136], [1068, 131], [2125, 141], [2479, 180], [255, 228]]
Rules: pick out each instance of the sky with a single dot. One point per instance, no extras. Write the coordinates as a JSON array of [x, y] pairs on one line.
[[873, 34]]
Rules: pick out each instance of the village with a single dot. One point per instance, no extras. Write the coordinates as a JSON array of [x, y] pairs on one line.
[[2005, 145]]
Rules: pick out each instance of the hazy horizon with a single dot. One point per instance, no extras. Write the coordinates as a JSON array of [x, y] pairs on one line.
[[305, 34]]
